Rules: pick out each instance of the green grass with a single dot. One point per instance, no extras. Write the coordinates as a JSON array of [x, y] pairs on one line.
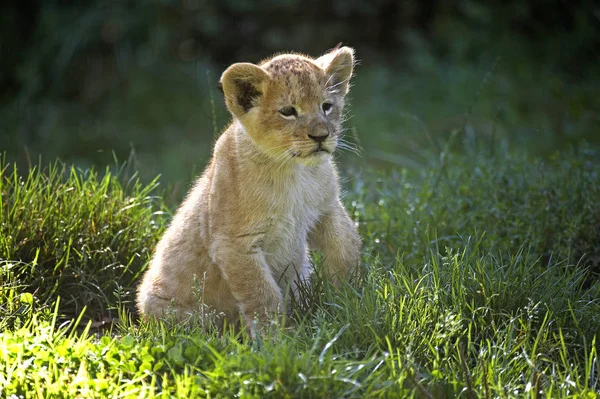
[[480, 279], [80, 235]]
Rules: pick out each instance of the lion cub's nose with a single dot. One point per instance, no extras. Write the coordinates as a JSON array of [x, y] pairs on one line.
[[320, 138]]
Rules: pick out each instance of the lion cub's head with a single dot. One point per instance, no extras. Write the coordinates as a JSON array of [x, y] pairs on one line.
[[291, 105]]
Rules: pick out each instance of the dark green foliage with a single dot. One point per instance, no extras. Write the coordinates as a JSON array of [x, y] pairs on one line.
[[56, 39], [82, 79]]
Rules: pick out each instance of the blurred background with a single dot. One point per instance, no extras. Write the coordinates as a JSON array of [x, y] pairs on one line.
[[98, 80]]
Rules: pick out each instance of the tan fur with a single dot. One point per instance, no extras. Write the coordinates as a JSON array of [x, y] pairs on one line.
[[245, 229]]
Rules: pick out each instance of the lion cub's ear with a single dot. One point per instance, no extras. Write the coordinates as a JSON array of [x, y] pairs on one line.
[[243, 84], [338, 65]]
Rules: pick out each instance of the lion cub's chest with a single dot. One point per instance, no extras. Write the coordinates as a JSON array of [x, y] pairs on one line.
[[295, 207]]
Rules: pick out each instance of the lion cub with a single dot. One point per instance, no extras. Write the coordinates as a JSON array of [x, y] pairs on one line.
[[268, 196]]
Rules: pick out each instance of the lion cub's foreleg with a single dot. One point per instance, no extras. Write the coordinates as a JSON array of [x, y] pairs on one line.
[[245, 270], [337, 238]]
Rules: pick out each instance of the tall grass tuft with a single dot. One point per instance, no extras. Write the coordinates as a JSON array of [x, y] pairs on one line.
[[81, 235]]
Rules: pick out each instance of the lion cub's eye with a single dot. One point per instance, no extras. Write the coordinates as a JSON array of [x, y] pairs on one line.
[[288, 112], [327, 108]]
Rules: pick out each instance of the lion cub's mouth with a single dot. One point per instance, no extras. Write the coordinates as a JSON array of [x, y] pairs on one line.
[[320, 148], [312, 153], [318, 151]]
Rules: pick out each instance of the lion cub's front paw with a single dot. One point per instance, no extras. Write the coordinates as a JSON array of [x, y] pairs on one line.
[[265, 321]]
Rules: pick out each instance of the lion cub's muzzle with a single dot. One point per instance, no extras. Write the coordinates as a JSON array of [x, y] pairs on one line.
[[319, 133]]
